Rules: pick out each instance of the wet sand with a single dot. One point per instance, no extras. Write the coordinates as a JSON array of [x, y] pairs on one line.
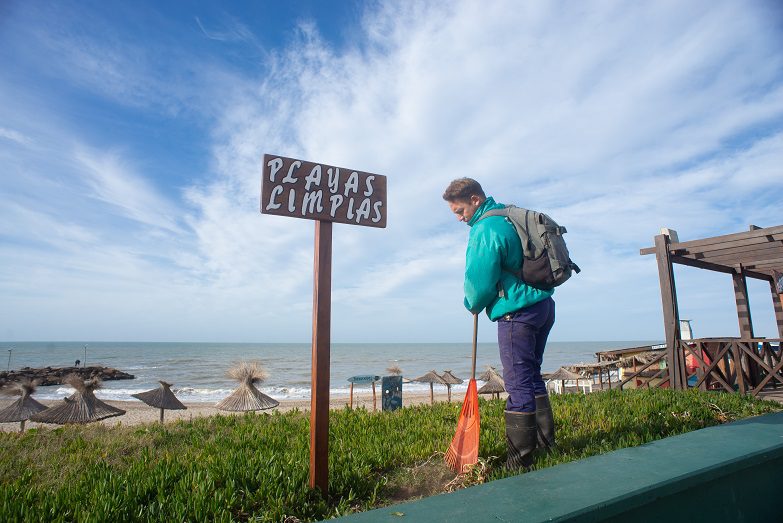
[[137, 413]]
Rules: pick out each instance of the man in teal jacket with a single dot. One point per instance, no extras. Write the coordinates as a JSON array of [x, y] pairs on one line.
[[524, 315]]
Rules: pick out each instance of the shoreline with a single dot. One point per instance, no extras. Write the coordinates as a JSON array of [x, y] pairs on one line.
[[138, 413]]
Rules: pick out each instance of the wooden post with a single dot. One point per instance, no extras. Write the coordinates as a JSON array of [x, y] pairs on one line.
[[741, 301], [745, 327], [296, 188], [777, 306], [671, 315], [350, 405], [319, 404], [374, 404]]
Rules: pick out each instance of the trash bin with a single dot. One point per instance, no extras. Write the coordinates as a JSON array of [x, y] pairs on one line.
[[391, 398]]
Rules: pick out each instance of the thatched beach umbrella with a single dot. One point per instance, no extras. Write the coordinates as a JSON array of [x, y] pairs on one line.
[[494, 385], [24, 407], [431, 377], [247, 397], [562, 375], [81, 407], [394, 370], [487, 374], [162, 398], [450, 379]]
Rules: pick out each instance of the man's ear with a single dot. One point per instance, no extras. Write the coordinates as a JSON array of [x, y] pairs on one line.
[[475, 199]]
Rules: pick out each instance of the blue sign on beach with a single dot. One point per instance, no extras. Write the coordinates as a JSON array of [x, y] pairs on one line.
[[364, 378]]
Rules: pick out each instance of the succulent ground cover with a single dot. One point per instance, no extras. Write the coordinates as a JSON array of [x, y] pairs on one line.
[[254, 467]]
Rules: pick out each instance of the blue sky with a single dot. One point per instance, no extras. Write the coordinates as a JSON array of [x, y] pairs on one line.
[[131, 138]]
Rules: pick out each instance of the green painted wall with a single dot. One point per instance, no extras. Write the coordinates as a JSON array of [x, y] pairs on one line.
[[730, 473]]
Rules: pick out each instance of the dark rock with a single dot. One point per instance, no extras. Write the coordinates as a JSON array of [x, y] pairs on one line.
[[54, 376]]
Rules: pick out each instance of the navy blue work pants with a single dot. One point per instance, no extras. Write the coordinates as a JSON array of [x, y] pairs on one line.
[[522, 338]]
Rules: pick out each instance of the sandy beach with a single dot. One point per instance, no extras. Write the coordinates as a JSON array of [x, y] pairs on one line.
[[137, 413]]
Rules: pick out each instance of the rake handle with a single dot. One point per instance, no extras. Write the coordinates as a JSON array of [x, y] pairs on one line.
[[475, 342]]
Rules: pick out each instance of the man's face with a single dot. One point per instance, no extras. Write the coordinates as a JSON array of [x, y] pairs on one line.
[[465, 209]]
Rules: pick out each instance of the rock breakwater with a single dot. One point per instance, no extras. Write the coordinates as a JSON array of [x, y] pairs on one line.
[[55, 375]]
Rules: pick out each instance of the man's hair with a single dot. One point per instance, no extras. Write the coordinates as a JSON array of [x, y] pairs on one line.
[[462, 189]]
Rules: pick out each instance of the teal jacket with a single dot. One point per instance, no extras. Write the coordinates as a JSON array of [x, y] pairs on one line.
[[494, 253]]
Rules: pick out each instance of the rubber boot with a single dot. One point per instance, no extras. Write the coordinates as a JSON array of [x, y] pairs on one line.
[[521, 439], [545, 422]]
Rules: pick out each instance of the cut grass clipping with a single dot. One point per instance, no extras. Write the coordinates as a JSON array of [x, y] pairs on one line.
[[254, 467]]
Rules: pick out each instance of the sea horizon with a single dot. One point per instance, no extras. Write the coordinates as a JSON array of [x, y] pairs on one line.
[[198, 369]]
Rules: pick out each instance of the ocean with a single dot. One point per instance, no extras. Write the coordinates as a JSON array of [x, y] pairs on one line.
[[198, 370]]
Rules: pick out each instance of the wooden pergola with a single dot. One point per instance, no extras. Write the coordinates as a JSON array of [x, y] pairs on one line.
[[747, 363]]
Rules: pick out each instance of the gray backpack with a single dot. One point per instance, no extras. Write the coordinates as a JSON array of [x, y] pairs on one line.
[[546, 263]]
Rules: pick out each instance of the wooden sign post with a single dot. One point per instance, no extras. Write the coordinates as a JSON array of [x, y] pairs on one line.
[[327, 194]]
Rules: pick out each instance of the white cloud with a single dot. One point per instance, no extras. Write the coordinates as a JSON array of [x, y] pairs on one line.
[[113, 182], [14, 136], [615, 118]]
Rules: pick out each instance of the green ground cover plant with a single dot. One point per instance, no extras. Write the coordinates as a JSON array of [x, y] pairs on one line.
[[254, 467]]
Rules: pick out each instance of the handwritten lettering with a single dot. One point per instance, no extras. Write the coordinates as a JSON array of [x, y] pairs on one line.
[[275, 164], [322, 192], [314, 178], [277, 191], [334, 179], [312, 200], [352, 185], [368, 192], [289, 178], [337, 201]]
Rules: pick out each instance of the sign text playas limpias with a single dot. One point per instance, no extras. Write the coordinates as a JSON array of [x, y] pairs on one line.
[[316, 191]]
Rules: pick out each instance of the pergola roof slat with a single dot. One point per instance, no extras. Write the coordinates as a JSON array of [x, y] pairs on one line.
[[757, 252], [745, 257], [776, 263], [754, 236], [776, 245]]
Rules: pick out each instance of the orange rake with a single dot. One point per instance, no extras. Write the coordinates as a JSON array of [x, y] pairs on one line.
[[463, 451]]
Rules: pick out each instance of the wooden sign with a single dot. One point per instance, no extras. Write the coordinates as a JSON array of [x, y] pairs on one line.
[[364, 378], [326, 194], [316, 191]]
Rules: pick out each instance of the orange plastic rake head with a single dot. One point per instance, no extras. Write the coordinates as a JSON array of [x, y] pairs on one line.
[[463, 451]]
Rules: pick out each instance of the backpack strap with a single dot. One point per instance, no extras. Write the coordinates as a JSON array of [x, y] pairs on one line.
[[503, 212]]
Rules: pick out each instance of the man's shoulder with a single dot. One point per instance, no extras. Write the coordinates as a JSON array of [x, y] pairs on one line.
[[494, 225]]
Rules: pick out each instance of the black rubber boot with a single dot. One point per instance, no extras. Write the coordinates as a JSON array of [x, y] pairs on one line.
[[521, 439], [545, 422]]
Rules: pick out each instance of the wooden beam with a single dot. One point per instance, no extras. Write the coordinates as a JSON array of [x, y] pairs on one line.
[[679, 248], [775, 239], [759, 248], [769, 231], [701, 264], [777, 306], [319, 402], [671, 317], [754, 256]]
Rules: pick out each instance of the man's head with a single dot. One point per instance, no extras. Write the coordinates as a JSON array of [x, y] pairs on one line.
[[464, 196]]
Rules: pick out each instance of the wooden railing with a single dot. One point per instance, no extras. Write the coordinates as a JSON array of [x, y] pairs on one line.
[[713, 363], [640, 373], [733, 364]]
